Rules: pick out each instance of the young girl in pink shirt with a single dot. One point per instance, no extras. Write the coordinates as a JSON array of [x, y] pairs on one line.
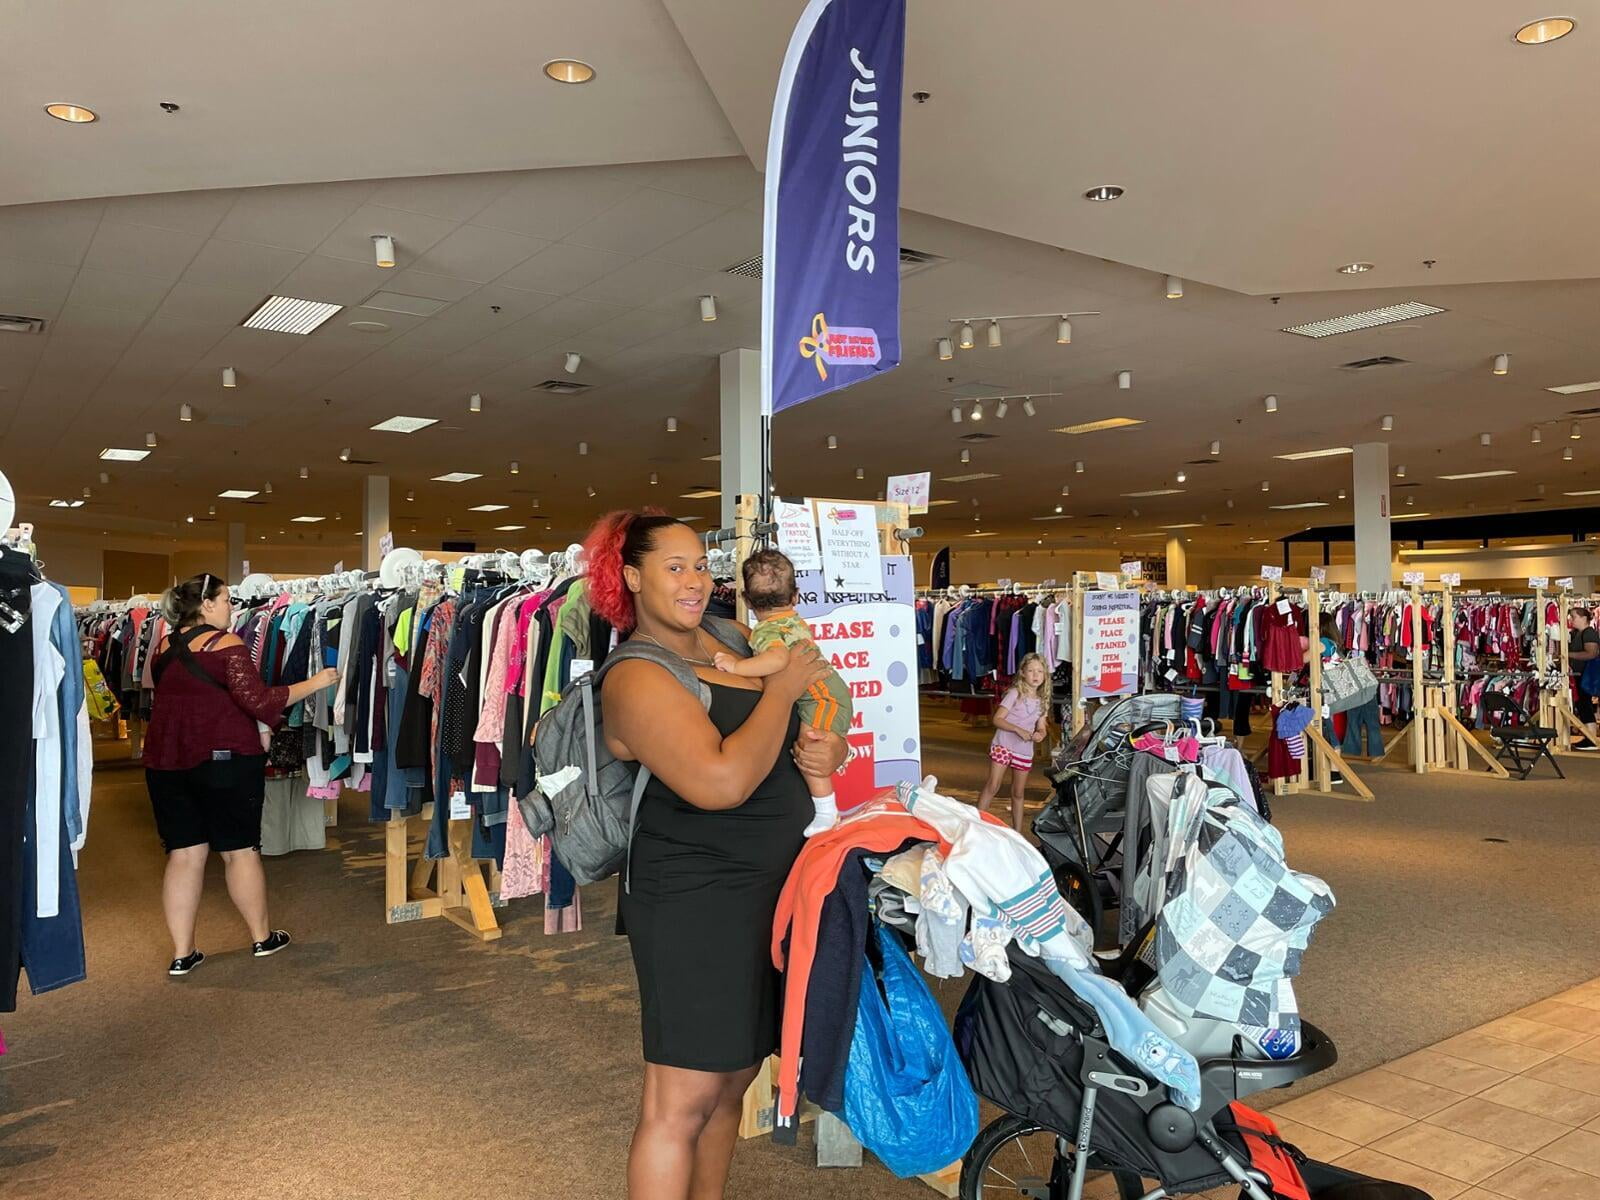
[[1020, 723]]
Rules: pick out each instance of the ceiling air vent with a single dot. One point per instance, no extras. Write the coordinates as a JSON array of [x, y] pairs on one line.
[[562, 387], [911, 261], [10, 324], [360, 462], [1571, 412], [1202, 462], [979, 437], [1361, 364], [1371, 319]]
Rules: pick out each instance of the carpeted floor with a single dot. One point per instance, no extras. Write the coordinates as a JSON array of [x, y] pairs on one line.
[[400, 1061]]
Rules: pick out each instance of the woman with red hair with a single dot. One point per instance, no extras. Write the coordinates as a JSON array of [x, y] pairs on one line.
[[719, 826]]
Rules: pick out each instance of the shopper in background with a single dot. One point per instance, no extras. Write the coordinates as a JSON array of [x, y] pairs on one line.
[[1020, 723], [1333, 728], [205, 763], [719, 826], [1584, 648]]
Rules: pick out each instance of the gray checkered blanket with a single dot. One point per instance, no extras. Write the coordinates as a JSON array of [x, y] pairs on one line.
[[1236, 919]]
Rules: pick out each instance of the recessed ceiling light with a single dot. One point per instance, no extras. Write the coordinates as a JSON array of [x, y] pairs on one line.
[[1409, 516], [1356, 268], [489, 508], [66, 504], [1306, 504], [508, 528], [1060, 517], [1174, 288], [307, 520], [405, 424], [937, 503], [1185, 525], [72, 114], [113, 454], [285, 314], [569, 70], [237, 494], [1572, 389], [1154, 492], [1536, 33], [1369, 319], [1590, 492], [1106, 191], [1328, 452], [368, 326], [1477, 475], [1097, 426], [981, 533], [457, 477], [974, 477]]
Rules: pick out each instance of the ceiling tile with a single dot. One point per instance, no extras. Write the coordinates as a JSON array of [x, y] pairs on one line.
[[409, 282], [181, 212], [551, 204], [242, 265], [333, 280], [725, 181], [111, 289], [413, 234], [49, 233], [718, 244], [141, 250], [643, 221], [479, 254], [513, 303], [453, 197], [295, 217], [641, 281], [206, 303], [564, 268], [43, 282]]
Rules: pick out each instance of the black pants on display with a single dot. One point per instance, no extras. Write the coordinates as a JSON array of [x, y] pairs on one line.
[[16, 774]]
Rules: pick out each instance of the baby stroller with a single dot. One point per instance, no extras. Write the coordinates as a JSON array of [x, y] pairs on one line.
[[1073, 1105], [1083, 829]]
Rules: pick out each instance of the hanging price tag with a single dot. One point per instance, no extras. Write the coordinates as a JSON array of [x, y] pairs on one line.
[[1412, 578], [1538, 581], [1453, 578], [581, 667], [460, 810], [1273, 573], [1284, 608]]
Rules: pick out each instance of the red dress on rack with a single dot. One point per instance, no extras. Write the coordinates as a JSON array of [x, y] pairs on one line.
[[1283, 651]]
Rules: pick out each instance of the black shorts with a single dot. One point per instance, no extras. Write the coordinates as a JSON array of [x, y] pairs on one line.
[[1583, 706], [216, 803]]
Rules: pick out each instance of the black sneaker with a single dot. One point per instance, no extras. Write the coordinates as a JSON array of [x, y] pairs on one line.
[[182, 966], [275, 941]]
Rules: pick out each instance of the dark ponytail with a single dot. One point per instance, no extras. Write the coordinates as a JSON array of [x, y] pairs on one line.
[[180, 603]]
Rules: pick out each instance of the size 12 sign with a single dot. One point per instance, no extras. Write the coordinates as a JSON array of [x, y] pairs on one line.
[[1412, 578], [1453, 578], [1538, 581], [1133, 570], [1273, 573]]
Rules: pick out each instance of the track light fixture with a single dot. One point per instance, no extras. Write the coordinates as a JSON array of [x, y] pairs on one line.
[[383, 249], [345, 455], [305, 472], [1063, 332], [411, 497], [1484, 439], [590, 491], [946, 350], [1387, 424], [1174, 288], [654, 479], [267, 487], [104, 477], [1001, 408], [475, 404], [1502, 364], [1400, 471], [672, 424], [583, 449], [1066, 490], [88, 494], [955, 414], [516, 467], [708, 308], [1341, 494], [967, 341], [189, 520], [1182, 476], [150, 440], [1410, 500], [1566, 454], [1077, 467], [861, 472], [1576, 432], [1536, 436], [966, 456], [230, 377], [994, 335], [1229, 502], [185, 412], [1266, 486], [1028, 408], [1271, 404], [1216, 448], [1124, 380], [574, 361]]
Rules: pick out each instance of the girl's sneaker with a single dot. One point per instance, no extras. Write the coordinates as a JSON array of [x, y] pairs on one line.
[[271, 944], [182, 966]]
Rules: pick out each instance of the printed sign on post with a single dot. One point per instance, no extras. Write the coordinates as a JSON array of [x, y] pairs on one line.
[[385, 544], [1273, 573], [1133, 570], [1538, 581], [245, 565], [1106, 581], [338, 566], [911, 490], [797, 534], [1412, 578], [1110, 658], [1319, 576], [1453, 578], [870, 639], [1565, 584], [852, 564]]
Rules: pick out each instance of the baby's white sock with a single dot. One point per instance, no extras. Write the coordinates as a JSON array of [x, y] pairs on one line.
[[827, 816]]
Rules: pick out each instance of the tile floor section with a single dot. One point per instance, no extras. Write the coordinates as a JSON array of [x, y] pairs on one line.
[[1509, 1110]]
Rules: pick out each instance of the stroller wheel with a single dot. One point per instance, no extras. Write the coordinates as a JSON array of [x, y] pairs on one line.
[[1011, 1157], [1078, 889]]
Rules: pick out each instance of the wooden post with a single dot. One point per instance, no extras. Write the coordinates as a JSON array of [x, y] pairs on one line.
[[1078, 716], [1419, 738], [1322, 770]]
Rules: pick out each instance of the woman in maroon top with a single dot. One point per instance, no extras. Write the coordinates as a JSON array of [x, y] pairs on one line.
[[205, 763]]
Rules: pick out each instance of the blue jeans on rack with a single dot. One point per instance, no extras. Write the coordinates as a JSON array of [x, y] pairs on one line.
[[1362, 719]]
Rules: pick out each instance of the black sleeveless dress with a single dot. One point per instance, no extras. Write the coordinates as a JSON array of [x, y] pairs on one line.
[[699, 917]]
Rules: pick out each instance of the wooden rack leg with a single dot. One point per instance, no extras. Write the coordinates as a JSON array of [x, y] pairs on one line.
[[467, 903], [405, 899], [1474, 744], [1396, 741], [1332, 759]]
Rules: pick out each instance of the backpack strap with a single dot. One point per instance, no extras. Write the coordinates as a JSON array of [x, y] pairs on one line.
[[178, 648]]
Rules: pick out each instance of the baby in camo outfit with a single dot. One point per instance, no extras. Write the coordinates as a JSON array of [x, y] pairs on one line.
[[769, 590]]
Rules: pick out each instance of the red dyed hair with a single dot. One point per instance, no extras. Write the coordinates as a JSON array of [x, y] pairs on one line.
[[618, 539]]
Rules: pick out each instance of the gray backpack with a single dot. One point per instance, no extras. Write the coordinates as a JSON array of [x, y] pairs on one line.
[[585, 797]]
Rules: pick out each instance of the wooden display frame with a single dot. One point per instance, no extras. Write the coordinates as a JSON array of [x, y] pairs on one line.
[[464, 890]]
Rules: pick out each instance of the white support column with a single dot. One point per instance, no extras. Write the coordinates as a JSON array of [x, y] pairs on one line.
[[374, 519], [1177, 563], [1370, 486], [235, 551], [741, 428]]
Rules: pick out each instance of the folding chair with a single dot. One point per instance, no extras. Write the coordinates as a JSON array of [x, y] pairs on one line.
[[1521, 745]]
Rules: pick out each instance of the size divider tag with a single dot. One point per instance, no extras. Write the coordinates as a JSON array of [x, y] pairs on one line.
[[1412, 578], [1538, 581], [1319, 576], [1106, 581], [1273, 573], [1564, 584], [1133, 570], [1453, 578]]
